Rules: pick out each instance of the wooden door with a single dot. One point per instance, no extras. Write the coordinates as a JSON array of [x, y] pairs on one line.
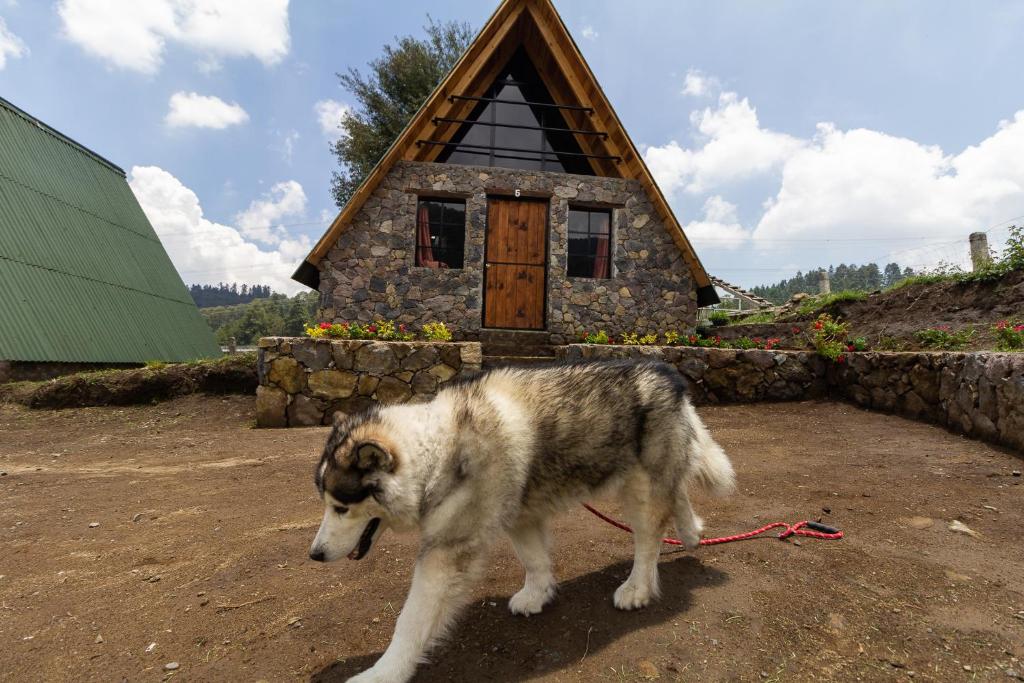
[[515, 265]]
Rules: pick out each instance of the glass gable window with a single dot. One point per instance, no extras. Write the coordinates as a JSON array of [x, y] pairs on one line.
[[507, 132], [589, 253], [440, 233]]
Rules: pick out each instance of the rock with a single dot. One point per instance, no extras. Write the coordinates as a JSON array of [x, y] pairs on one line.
[[391, 390], [1015, 473], [959, 527], [443, 372], [648, 671], [271, 404], [953, 576], [151, 647], [288, 374], [333, 384], [99, 639], [424, 383], [313, 354], [376, 358], [295, 621], [368, 385], [305, 412], [137, 516], [921, 522], [171, 666], [93, 525], [420, 359]]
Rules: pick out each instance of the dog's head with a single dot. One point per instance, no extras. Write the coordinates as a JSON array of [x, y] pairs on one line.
[[350, 477]]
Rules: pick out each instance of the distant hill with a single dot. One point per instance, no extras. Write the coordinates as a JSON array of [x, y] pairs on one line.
[[276, 315], [223, 294], [866, 278]]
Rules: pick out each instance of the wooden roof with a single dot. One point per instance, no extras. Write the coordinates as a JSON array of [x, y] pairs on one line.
[[536, 26]]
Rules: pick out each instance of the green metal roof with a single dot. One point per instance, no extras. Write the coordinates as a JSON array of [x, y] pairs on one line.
[[83, 275]]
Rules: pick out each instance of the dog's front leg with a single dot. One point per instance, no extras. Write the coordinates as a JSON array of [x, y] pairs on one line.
[[441, 581]]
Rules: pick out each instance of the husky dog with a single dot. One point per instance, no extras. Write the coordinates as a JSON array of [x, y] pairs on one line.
[[502, 452]]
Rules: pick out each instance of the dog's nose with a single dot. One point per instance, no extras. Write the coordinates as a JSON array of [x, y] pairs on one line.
[[316, 555]]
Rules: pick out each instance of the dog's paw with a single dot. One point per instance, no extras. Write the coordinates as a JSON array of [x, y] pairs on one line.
[[690, 537], [531, 600], [633, 595]]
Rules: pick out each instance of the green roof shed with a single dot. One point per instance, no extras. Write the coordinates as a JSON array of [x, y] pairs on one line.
[[83, 275]]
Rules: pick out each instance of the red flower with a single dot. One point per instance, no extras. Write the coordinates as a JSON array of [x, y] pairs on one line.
[[324, 326], [818, 325], [757, 340], [849, 347], [795, 330], [1002, 324], [1019, 328], [401, 328], [841, 359], [371, 328]]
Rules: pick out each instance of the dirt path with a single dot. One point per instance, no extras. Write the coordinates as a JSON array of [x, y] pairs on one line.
[[204, 524]]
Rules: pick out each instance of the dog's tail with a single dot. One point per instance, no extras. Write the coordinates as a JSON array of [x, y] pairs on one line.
[[709, 468]]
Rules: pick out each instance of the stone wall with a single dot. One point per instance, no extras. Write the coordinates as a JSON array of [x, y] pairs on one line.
[[303, 382], [370, 271], [978, 394]]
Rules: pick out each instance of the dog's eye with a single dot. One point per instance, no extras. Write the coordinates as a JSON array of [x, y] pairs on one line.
[[340, 509]]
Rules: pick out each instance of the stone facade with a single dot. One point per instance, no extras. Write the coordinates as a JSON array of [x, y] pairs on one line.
[[304, 382], [978, 394], [370, 272]]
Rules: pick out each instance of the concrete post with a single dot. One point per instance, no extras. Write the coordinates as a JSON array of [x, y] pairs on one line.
[[824, 285], [980, 256], [232, 346]]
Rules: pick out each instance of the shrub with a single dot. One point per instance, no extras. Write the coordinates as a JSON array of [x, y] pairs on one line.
[[816, 303], [671, 338], [759, 317], [634, 339], [436, 332], [599, 337], [1009, 336], [943, 337], [830, 337], [383, 330], [719, 318]]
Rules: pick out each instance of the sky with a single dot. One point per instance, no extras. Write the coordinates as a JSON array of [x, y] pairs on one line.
[[787, 135]]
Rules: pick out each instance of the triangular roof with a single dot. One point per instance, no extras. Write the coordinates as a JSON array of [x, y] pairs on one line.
[[83, 276], [535, 25]]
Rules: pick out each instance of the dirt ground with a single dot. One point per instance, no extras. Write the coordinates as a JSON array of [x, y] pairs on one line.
[[137, 537]]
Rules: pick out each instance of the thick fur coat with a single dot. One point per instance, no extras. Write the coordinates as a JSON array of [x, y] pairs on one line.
[[500, 454]]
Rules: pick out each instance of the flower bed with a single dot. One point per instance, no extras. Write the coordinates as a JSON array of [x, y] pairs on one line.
[[305, 381]]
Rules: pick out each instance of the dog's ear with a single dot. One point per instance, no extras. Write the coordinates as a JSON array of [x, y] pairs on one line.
[[371, 456]]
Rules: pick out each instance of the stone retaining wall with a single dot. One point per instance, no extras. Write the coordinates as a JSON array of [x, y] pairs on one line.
[[978, 394], [303, 382]]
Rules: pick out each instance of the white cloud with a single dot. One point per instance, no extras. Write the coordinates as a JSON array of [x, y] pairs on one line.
[[258, 221], [203, 111], [208, 252], [329, 114], [590, 33], [11, 46], [871, 185], [699, 84], [854, 195], [734, 147], [720, 227], [133, 34]]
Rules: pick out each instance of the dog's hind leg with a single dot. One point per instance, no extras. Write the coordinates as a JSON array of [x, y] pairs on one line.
[[688, 525], [647, 514], [441, 583], [530, 541]]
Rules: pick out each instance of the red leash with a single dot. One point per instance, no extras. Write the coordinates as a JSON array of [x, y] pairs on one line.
[[822, 531]]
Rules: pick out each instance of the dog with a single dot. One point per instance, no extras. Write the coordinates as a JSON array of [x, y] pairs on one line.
[[501, 453]]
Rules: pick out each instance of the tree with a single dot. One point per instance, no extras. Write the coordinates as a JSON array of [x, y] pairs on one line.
[[398, 83]]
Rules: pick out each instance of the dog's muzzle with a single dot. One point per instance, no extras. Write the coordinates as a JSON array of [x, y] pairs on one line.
[[365, 541]]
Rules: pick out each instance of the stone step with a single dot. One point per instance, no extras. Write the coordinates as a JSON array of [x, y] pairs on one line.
[[516, 343], [503, 361]]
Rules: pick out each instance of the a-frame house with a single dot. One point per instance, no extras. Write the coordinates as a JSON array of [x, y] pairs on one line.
[[514, 199]]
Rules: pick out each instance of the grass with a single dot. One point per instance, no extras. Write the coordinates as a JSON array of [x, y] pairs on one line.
[[814, 304], [759, 317]]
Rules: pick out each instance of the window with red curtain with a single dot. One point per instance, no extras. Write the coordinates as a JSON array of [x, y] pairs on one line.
[[440, 233], [589, 253]]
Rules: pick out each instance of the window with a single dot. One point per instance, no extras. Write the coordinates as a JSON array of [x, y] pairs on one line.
[[589, 243], [517, 125], [440, 233]]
